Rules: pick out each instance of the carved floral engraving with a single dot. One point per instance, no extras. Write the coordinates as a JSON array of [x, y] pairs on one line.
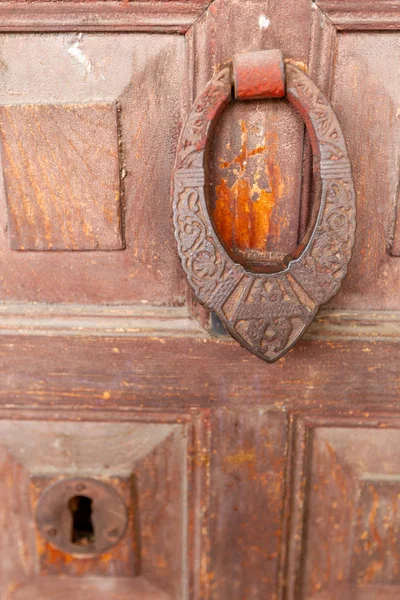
[[266, 313]]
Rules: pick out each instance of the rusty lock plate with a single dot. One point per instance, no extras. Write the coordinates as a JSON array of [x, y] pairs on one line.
[[81, 516]]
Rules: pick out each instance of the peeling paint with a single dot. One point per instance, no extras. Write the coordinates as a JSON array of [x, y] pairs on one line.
[[77, 53], [264, 22], [244, 209]]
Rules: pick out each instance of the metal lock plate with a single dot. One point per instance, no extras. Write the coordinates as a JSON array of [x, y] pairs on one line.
[[82, 516]]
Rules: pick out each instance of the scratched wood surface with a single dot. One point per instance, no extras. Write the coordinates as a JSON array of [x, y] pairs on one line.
[[362, 69], [248, 481], [62, 176], [156, 487], [17, 540], [256, 153], [351, 519], [95, 588], [119, 372], [246, 503], [144, 74], [159, 484]]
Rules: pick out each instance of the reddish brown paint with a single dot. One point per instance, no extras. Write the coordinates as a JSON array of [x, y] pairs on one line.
[[259, 75]]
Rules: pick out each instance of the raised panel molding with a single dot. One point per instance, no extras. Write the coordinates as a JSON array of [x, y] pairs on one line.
[[62, 176], [343, 511], [154, 461], [157, 16], [394, 246], [357, 15], [81, 140]]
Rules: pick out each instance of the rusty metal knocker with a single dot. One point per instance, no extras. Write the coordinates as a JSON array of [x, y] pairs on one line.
[[266, 312]]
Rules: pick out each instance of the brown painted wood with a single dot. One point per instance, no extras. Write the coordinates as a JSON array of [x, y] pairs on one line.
[[164, 16], [114, 372], [152, 463], [48, 588], [347, 543], [47, 208], [246, 480], [247, 491], [77, 69], [373, 273], [355, 15]]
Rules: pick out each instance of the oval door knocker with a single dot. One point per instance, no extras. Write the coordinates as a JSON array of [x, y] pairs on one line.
[[267, 313]]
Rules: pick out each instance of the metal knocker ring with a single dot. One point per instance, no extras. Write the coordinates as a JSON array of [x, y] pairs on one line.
[[268, 312]]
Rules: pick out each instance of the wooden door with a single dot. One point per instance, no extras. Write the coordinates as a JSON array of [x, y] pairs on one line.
[[144, 454]]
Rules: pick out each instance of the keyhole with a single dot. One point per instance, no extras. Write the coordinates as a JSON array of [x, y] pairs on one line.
[[82, 533]]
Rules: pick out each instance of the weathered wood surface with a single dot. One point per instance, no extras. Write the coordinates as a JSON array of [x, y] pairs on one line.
[[347, 545], [155, 464], [159, 484], [17, 541], [118, 372], [256, 152], [357, 15], [362, 69], [158, 16], [295, 469], [97, 588], [62, 176], [144, 74], [395, 247], [247, 491]]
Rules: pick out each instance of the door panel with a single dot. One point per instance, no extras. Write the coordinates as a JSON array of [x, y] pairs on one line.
[[246, 503], [367, 67], [155, 467], [349, 513], [81, 119]]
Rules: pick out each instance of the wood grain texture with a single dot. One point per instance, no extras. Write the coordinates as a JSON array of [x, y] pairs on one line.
[[62, 176], [17, 543], [247, 481], [256, 152], [168, 372], [108, 16], [95, 588], [357, 15], [395, 245], [159, 482], [154, 462], [362, 69], [124, 321], [125, 381], [376, 547], [347, 542], [145, 75]]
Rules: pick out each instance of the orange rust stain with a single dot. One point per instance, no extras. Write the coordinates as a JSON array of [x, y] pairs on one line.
[[223, 215], [372, 571], [243, 213], [241, 457], [372, 518]]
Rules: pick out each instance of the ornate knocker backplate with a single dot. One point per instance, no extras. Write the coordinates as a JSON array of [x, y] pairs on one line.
[[267, 313]]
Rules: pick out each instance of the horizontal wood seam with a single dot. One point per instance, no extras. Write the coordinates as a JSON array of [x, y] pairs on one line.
[[143, 321], [357, 16]]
